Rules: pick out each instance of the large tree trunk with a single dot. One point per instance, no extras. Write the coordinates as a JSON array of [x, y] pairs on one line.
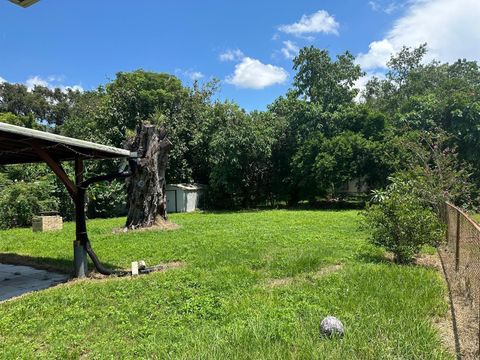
[[146, 188]]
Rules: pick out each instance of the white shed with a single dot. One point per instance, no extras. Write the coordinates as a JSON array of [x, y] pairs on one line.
[[184, 197], [355, 186]]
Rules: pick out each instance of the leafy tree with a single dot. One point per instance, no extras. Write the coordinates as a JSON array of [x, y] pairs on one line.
[[20, 120], [432, 97], [41, 104], [321, 80], [110, 114], [324, 165], [406, 61], [240, 157]]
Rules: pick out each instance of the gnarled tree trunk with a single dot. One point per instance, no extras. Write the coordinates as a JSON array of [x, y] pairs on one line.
[[146, 188]]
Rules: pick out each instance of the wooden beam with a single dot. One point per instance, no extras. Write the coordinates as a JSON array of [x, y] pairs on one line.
[[57, 169]]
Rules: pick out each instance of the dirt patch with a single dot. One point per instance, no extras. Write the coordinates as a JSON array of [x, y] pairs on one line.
[[156, 268], [445, 330], [429, 261], [444, 325], [164, 225], [327, 270], [273, 283], [464, 319], [280, 282]]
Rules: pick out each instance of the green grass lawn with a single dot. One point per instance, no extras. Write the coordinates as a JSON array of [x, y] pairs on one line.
[[476, 217], [225, 303]]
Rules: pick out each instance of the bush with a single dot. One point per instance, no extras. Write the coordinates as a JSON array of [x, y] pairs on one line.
[[20, 201], [402, 224], [107, 199]]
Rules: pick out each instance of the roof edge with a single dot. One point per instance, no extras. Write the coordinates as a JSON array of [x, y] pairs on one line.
[[42, 135]]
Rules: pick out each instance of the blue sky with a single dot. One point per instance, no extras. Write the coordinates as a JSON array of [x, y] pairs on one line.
[[84, 43]]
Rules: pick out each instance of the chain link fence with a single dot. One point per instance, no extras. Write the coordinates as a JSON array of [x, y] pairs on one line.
[[461, 261]]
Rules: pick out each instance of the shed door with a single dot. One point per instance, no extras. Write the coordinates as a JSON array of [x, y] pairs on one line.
[[171, 201]]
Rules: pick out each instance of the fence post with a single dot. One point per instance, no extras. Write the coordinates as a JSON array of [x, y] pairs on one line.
[[446, 218], [457, 242]]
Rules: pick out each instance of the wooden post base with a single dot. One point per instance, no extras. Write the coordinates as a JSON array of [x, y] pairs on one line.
[[79, 260]]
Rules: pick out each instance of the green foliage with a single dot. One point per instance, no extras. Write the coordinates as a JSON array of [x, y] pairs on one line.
[[106, 200], [40, 104], [323, 81], [307, 145], [24, 121], [321, 151], [240, 152], [401, 223], [433, 97], [21, 201], [434, 170], [405, 216], [328, 164]]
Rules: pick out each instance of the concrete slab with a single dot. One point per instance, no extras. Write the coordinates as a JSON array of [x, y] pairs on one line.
[[18, 280]]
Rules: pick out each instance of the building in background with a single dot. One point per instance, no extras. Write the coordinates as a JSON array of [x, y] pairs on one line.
[[184, 197]]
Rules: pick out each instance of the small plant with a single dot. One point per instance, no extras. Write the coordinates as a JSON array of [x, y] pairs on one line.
[[401, 223]]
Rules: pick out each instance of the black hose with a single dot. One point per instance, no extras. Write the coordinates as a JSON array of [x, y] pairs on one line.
[[104, 271], [98, 265]]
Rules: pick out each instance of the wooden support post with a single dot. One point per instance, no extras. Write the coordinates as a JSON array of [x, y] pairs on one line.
[[79, 252], [78, 196], [57, 169], [457, 242]]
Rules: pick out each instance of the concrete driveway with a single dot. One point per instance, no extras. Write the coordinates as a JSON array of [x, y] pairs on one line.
[[16, 280]]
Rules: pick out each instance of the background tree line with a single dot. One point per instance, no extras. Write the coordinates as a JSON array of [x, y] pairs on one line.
[[309, 142]]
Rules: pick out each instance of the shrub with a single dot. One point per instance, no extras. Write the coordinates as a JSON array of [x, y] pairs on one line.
[[20, 201], [401, 223], [107, 199]]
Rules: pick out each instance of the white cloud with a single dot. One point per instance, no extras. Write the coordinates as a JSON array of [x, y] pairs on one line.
[[232, 55], [379, 53], [56, 78], [375, 6], [253, 74], [51, 82], [193, 75], [319, 22], [290, 49], [73, 88], [36, 81], [190, 74], [450, 28], [2, 80], [387, 7]]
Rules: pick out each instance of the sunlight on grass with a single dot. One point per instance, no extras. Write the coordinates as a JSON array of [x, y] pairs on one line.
[[218, 305]]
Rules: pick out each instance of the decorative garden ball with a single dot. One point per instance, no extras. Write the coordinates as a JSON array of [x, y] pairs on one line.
[[331, 326]]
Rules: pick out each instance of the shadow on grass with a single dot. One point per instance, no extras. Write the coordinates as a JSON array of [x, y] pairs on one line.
[[376, 256], [326, 206], [64, 266], [368, 257]]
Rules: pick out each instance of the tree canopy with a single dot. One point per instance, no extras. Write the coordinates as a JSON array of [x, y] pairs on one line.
[[308, 144]]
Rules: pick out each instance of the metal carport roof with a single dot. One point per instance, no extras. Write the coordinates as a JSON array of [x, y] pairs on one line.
[[20, 145]]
